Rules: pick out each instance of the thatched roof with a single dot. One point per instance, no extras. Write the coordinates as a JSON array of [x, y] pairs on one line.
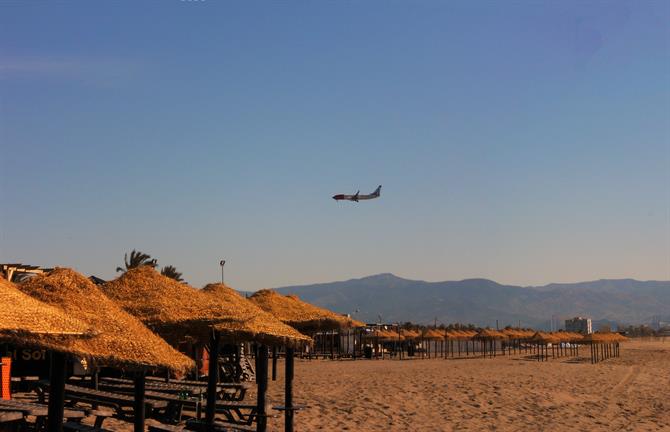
[[27, 321], [177, 311], [410, 334], [299, 314], [490, 334], [542, 337], [264, 323], [433, 334], [121, 339], [603, 337]]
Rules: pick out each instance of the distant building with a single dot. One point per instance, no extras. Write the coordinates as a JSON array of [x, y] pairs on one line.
[[579, 325]]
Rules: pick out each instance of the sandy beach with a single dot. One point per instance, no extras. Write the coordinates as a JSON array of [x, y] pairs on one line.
[[629, 393]]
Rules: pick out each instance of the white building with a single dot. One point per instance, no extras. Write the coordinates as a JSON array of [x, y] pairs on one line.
[[579, 325]]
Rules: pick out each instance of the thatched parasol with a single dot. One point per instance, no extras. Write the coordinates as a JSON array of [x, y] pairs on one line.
[[489, 334], [265, 324], [433, 334], [603, 337], [544, 338], [175, 310], [299, 314], [410, 334], [121, 340], [27, 321]]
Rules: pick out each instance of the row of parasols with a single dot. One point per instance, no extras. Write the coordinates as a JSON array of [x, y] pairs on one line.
[[603, 345], [527, 335], [133, 322]]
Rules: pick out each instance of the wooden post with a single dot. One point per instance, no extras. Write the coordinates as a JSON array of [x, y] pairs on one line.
[[274, 363], [138, 404], [332, 345], [288, 391], [262, 382], [212, 379], [56, 392]]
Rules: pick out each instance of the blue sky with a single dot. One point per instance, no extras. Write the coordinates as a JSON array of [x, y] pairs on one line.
[[526, 142]]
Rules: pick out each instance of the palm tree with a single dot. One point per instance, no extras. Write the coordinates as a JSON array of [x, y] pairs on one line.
[[172, 273], [137, 259]]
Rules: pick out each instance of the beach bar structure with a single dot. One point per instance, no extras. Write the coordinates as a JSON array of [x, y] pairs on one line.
[[177, 311], [26, 321], [120, 340]]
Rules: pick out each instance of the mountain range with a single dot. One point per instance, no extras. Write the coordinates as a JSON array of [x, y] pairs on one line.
[[482, 301]]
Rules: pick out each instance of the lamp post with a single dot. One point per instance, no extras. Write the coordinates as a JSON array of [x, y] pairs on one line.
[[222, 263]]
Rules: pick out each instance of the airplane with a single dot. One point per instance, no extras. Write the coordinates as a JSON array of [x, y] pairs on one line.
[[358, 196]]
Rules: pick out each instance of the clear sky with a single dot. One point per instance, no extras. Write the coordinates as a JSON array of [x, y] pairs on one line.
[[526, 141]]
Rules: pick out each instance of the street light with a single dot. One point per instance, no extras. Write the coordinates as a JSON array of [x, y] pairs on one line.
[[222, 263]]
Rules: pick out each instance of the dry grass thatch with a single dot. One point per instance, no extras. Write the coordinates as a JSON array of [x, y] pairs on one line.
[[489, 334], [299, 314], [28, 321], [544, 338], [265, 325], [177, 311], [603, 337], [121, 340], [433, 334], [410, 334]]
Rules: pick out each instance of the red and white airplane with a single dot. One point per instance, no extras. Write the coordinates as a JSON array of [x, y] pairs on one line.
[[358, 197]]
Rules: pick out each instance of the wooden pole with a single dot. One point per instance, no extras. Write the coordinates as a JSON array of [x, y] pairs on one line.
[[332, 345], [212, 379], [274, 363], [288, 391], [262, 382], [138, 404], [56, 392]]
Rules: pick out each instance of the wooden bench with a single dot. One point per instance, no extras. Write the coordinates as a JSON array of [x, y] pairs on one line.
[[225, 391], [234, 411], [118, 402], [38, 409], [127, 384]]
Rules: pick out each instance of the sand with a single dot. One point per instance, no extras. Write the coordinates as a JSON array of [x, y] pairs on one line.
[[629, 393]]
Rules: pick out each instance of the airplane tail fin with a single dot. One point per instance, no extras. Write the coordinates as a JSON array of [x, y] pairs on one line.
[[377, 191]]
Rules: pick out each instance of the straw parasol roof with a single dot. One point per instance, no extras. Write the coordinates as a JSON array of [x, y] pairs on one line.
[[455, 334], [177, 311], [433, 334], [121, 340], [541, 337], [410, 334], [513, 333], [489, 334], [299, 314], [604, 337], [27, 321], [265, 323]]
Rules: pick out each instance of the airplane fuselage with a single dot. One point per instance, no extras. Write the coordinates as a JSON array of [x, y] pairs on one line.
[[358, 197]]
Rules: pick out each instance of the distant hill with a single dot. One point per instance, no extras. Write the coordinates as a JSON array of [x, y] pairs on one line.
[[482, 301]]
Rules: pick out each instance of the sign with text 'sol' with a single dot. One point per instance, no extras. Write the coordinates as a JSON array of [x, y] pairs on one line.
[[27, 361]]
